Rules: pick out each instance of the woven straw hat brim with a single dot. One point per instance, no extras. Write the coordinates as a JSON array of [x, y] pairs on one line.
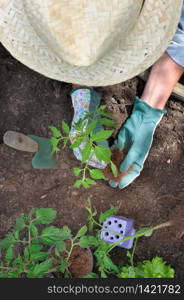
[[146, 42]]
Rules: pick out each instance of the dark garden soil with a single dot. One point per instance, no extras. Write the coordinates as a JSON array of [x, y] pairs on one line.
[[29, 103]]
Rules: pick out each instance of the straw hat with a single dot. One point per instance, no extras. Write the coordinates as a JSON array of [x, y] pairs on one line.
[[95, 43]]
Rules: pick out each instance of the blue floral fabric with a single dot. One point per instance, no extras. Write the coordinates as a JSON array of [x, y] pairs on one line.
[[176, 47]]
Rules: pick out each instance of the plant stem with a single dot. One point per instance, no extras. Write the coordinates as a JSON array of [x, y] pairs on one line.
[[162, 225], [29, 236], [84, 172], [86, 165], [133, 252], [70, 251], [139, 233]]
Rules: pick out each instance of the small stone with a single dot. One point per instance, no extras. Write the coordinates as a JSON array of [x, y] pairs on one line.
[[43, 196], [168, 161]]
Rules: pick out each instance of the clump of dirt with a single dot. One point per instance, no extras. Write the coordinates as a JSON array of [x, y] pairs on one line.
[[80, 261]]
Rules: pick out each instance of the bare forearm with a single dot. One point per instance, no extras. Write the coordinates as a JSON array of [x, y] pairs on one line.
[[164, 75]]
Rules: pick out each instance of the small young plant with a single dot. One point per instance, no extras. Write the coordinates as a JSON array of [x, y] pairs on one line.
[[34, 250], [91, 136], [155, 268]]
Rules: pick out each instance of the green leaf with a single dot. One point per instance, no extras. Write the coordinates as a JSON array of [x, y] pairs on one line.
[[149, 232], [66, 229], [88, 241], [65, 127], [20, 224], [52, 234], [8, 241], [145, 231], [17, 261], [17, 234], [90, 181], [96, 174], [34, 230], [45, 215], [77, 183], [91, 275], [54, 142], [77, 171], [3, 274], [36, 254], [9, 254], [101, 136], [108, 213], [81, 232], [86, 152], [39, 256], [103, 274], [109, 265], [129, 254], [114, 169], [60, 246], [39, 270], [79, 124], [85, 184], [90, 223], [77, 142], [91, 127], [26, 253], [106, 122], [127, 272], [56, 132], [34, 248], [103, 153], [157, 268], [14, 274], [101, 108], [108, 115], [63, 265]]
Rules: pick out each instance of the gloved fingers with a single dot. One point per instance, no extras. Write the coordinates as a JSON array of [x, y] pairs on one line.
[[123, 141], [130, 160], [113, 183], [129, 178], [128, 166]]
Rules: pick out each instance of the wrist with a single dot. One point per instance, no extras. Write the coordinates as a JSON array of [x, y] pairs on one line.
[[150, 112], [157, 102]]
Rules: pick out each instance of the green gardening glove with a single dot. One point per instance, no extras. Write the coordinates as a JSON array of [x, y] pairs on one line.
[[43, 159], [135, 140]]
